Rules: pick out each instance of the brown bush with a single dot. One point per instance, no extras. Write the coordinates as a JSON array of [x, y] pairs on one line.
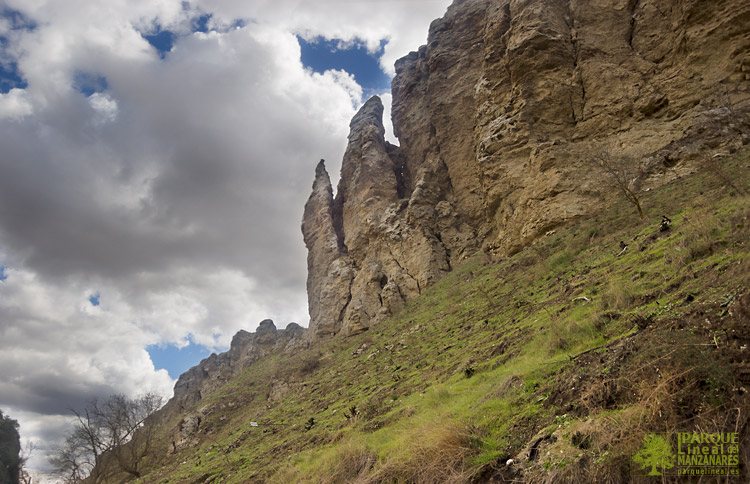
[[438, 455], [351, 463]]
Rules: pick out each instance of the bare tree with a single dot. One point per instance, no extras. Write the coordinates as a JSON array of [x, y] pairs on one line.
[[714, 165], [109, 437], [734, 123], [71, 461], [623, 171], [132, 431], [24, 477], [737, 122]]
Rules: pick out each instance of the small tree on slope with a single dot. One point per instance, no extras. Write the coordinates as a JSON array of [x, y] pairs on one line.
[[108, 437]]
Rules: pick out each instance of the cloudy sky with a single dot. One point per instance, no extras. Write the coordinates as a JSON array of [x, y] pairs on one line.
[[155, 157]]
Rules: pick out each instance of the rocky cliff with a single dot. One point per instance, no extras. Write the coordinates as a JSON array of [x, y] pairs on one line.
[[499, 118], [246, 348]]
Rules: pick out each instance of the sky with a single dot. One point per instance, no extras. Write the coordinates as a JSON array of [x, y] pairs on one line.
[[156, 157]]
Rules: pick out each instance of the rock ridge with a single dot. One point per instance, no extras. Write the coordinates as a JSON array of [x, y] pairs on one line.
[[246, 348]]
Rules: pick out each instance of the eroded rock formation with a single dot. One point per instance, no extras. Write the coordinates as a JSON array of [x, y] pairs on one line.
[[498, 118], [374, 245], [217, 369]]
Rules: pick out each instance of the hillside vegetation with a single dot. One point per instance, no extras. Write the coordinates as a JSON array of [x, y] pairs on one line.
[[561, 357]]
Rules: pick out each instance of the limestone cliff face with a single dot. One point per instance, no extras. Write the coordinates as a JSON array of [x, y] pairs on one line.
[[498, 117]]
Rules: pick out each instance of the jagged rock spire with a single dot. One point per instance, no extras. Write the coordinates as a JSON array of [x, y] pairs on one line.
[[318, 228], [328, 272], [358, 272], [368, 183]]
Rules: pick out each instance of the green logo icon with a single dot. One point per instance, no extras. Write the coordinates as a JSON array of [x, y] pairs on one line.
[[655, 452]]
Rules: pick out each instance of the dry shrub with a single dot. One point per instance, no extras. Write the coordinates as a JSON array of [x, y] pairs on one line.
[[583, 241], [558, 336], [309, 364], [564, 332], [594, 450], [436, 455], [302, 364], [655, 387], [351, 463], [508, 385], [557, 342], [700, 236], [658, 398], [714, 164], [735, 417], [617, 296], [740, 221]]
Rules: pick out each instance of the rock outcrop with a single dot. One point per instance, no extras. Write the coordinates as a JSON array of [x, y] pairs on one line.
[[498, 119], [330, 272], [217, 369], [374, 245]]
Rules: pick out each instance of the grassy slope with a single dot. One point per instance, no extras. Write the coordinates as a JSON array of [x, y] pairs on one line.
[[488, 360]]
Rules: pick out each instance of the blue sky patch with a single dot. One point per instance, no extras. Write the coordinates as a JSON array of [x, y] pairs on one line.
[[94, 299], [10, 76], [200, 23], [324, 54], [177, 360], [161, 40], [88, 83], [3, 275], [17, 20]]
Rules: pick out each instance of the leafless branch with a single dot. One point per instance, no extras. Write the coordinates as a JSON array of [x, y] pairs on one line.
[[109, 437], [623, 171]]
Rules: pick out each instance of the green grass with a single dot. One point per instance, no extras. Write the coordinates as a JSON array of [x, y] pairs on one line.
[[520, 323]]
